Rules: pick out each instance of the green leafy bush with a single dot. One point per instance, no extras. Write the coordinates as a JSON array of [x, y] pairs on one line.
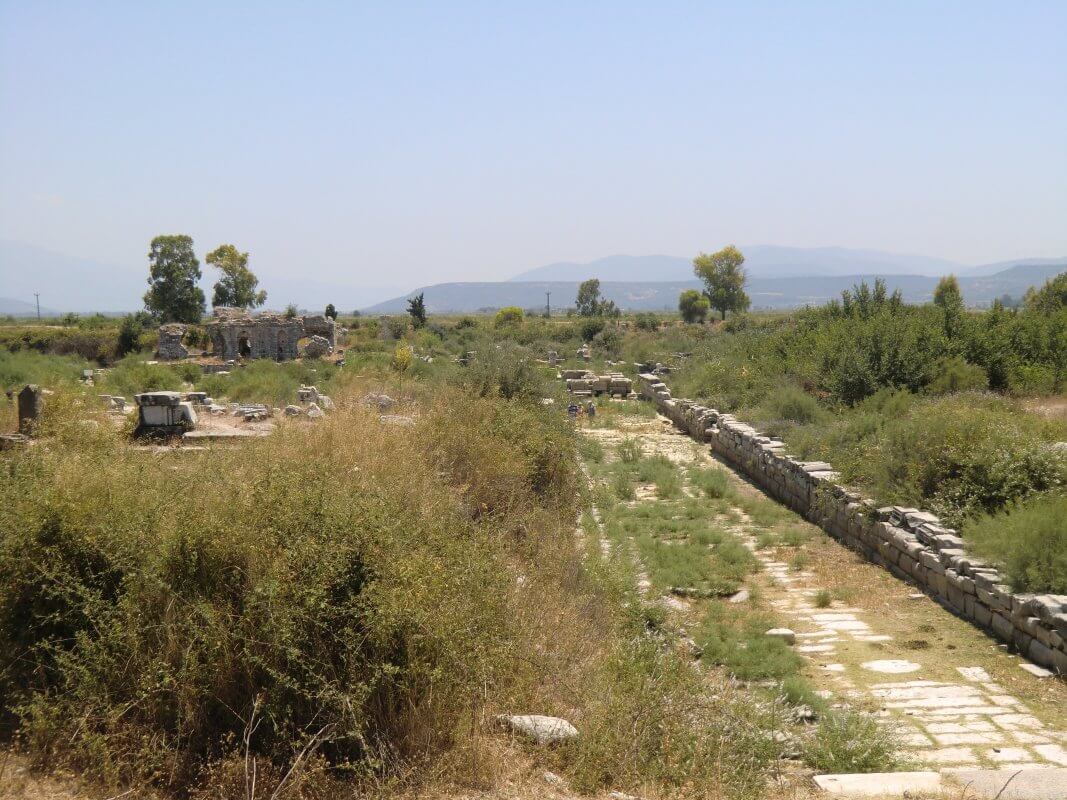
[[791, 404], [1030, 540], [714, 482], [629, 451], [956, 375], [851, 741]]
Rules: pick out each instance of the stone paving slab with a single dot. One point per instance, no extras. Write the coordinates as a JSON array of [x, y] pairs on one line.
[[969, 723], [1011, 784], [879, 784]]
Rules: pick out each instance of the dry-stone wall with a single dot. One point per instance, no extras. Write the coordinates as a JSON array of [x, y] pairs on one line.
[[910, 543]]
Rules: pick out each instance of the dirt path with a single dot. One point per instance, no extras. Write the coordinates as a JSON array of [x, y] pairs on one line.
[[956, 697]]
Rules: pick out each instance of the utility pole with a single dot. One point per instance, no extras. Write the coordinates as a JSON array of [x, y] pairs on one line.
[[548, 304], [38, 296]]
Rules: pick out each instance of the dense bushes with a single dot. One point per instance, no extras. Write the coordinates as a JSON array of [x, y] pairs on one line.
[[959, 456], [847, 351], [1030, 540], [92, 344], [328, 585]]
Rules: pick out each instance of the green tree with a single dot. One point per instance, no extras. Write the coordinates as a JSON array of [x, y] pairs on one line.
[[507, 317], [1050, 297], [948, 298], [417, 310], [237, 286], [693, 306], [291, 311], [724, 279], [588, 300], [173, 271], [331, 312], [607, 308], [130, 331]]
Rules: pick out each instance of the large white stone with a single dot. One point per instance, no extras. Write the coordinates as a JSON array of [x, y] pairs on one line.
[[785, 634], [538, 727], [891, 665]]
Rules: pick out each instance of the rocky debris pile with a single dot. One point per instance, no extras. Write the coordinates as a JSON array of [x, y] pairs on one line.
[[910, 543], [251, 412], [317, 347], [538, 727], [310, 395]]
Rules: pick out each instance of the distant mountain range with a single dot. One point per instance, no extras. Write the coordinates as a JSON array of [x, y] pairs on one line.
[[768, 261], [765, 292], [779, 277]]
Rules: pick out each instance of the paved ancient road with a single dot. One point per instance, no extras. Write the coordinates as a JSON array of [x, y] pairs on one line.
[[876, 651]]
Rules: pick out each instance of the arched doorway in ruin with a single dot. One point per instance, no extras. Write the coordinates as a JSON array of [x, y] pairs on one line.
[[244, 347]]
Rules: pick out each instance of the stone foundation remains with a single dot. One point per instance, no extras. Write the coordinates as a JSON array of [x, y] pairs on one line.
[[910, 543], [583, 382]]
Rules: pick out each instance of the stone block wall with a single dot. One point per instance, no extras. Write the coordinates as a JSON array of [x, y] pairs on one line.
[[910, 543]]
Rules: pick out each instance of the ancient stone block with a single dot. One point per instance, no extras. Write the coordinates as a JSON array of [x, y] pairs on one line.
[[1002, 626], [29, 403]]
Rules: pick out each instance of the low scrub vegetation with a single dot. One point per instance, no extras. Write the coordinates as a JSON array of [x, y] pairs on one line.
[[1030, 540], [322, 590]]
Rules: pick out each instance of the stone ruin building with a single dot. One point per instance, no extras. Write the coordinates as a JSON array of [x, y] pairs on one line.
[[237, 334], [170, 341]]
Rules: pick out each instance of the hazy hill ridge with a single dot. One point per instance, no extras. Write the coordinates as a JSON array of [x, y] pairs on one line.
[[765, 292]]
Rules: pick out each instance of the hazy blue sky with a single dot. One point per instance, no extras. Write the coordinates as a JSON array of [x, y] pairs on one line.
[[398, 143]]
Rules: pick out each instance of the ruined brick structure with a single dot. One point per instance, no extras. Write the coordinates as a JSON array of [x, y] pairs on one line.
[[237, 334]]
